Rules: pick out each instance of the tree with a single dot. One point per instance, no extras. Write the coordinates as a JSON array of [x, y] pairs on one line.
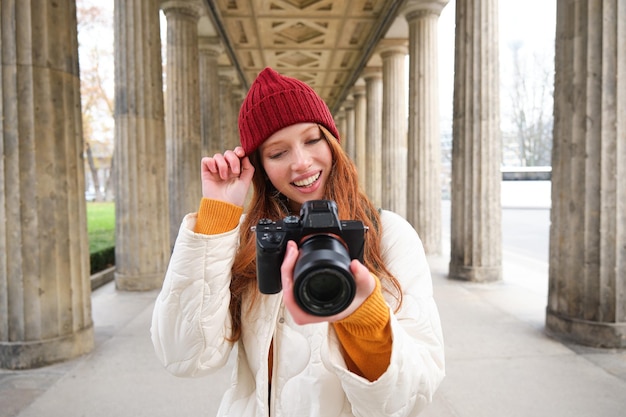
[[96, 61], [527, 137]]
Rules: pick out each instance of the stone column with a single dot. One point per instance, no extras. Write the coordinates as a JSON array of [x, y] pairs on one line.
[[394, 126], [587, 273], [476, 241], [340, 121], [350, 128], [373, 139], [210, 50], [227, 118], [142, 234], [360, 126], [424, 149], [45, 305], [236, 99], [182, 111]]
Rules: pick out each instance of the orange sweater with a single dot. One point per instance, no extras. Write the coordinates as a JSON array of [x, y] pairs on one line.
[[365, 335]]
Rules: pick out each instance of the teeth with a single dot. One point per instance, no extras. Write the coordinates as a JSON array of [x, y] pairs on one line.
[[307, 181]]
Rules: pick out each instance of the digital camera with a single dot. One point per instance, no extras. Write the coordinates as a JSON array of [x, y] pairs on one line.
[[323, 283]]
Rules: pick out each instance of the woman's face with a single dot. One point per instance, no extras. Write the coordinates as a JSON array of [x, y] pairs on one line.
[[297, 160]]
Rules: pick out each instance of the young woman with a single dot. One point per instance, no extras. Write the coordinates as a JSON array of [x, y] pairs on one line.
[[381, 356]]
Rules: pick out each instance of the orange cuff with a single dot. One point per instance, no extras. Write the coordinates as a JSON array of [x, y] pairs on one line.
[[366, 337], [216, 216], [370, 317]]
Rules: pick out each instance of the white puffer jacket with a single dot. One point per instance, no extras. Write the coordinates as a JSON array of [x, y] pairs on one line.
[[191, 323]]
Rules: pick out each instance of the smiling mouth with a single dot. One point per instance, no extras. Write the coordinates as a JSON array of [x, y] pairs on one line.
[[307, 182]]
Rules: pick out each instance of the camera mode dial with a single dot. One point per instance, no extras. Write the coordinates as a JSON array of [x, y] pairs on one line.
[[271, 239]]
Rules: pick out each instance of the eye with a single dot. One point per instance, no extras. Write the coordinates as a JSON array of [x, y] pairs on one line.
[[275, 155], [313, 141]]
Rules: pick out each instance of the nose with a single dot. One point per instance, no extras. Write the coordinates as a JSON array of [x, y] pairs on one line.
[[302, 159]]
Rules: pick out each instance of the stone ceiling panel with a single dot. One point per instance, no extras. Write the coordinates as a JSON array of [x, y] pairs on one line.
[[321, 42]]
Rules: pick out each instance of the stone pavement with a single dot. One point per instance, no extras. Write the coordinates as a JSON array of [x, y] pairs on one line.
[[500, 362]]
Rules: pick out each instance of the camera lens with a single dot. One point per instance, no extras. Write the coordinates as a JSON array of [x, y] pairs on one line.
[[323, 283]]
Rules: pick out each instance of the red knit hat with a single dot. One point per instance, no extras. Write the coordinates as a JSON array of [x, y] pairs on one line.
[[275, 101]]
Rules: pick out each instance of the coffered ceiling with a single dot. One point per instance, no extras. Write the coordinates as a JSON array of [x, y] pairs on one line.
[[325, 43]]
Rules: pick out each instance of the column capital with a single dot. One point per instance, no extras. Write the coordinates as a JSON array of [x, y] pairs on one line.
[[210, 45], [357, 91], [416, 8], [369, 73], [226, 74], [190, 8], [388, 47], [237, 92]]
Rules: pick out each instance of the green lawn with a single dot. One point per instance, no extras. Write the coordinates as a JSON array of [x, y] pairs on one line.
[[100, 225]]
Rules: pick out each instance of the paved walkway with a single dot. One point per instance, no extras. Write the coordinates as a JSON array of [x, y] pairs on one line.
[[499, 360]]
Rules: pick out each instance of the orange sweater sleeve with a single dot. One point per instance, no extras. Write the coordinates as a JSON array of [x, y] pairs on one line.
[[215, 217], [366, 337]]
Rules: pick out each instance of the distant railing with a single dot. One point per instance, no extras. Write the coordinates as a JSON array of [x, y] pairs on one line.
[[542, 173]]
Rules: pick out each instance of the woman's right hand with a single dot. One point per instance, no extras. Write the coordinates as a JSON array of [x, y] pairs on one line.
[[227, 176]]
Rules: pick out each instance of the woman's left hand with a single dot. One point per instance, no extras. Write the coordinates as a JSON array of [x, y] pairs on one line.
[[365, 284]]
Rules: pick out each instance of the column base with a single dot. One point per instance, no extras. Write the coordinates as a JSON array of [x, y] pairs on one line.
[[585, 332], [147, 282], [28, 355], [475, 273]]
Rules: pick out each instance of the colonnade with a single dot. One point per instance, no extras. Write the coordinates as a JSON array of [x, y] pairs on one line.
[[160, 136]]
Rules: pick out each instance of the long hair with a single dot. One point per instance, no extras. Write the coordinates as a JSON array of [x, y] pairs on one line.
[[267, 202]]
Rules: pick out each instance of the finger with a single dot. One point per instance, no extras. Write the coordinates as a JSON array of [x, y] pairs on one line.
[[208, 165], [204, 164], [221, 166], [239, 152], [233, 162], [286, 269], [247, 169], [364, 281]]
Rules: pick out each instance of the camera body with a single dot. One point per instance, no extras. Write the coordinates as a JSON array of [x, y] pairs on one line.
[[323, 283]]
